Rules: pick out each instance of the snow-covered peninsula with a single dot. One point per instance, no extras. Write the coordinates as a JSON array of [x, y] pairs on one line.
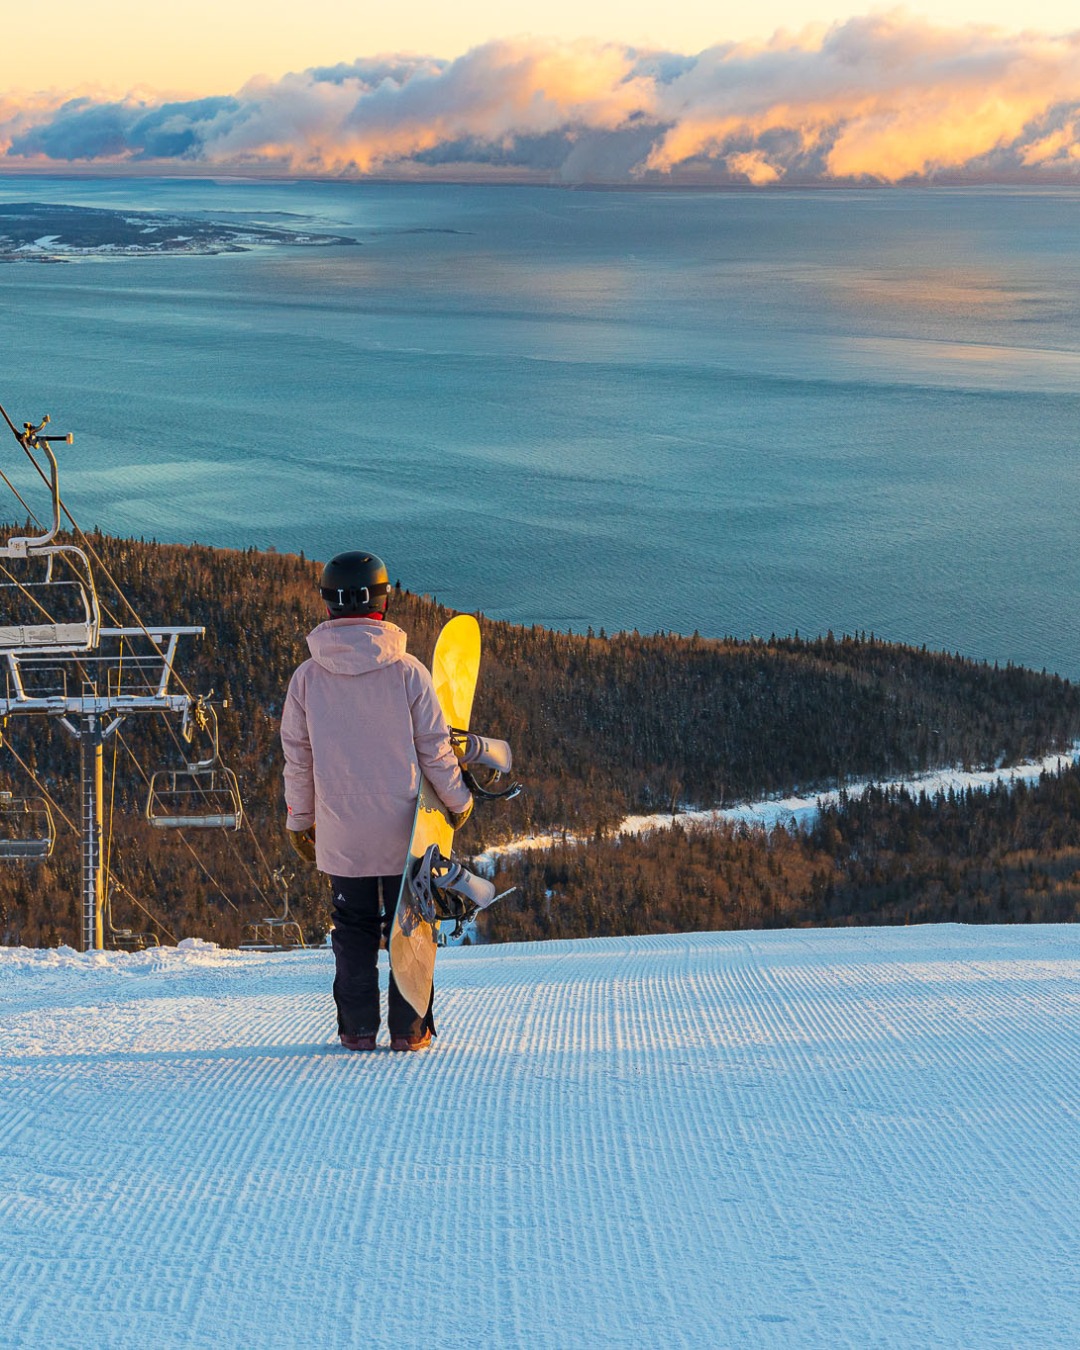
[[44, 232]]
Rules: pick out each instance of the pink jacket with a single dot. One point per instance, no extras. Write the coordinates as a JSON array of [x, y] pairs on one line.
[[361, 723]]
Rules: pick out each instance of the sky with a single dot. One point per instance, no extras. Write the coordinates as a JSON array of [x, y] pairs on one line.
[[215, 46], [576, 94]]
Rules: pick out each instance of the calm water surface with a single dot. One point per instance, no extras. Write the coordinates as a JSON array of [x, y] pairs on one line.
[[730, 412]]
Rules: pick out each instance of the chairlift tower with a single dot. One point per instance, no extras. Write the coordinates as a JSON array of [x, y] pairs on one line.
[[90, 696], [58, 661]]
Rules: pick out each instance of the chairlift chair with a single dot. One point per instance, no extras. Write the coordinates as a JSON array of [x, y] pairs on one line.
[[126, 939], [197, 797], [48, 615], [27, 829], [204, 794], [282, 933]]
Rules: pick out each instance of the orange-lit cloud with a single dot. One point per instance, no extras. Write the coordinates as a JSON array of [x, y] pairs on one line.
[[884, 98], [493, 96]]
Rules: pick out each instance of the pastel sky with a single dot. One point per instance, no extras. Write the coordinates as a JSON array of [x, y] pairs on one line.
[[203, 47], [586, 93]]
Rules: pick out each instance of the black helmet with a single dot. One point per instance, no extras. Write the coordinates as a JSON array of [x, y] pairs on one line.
[[353, 584]]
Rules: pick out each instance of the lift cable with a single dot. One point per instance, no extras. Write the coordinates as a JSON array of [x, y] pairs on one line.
[[187, 844], [31, 515], [111, 615], [210, 877], [75, 830], [230, 840], [112, 797], [22, 587], [119, 885], [41, 787], [85, 540], [112, 790], [82, 536], [258, 847]]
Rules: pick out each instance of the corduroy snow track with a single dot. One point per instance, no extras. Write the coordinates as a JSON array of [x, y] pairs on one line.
[[850, 1137]]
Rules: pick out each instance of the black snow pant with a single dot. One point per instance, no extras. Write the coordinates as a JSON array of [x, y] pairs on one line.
[[363, 912]]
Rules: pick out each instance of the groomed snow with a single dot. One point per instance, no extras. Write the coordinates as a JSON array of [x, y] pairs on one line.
[[807, 1138]]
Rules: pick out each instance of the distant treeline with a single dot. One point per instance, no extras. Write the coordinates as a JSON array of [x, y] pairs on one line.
[[601, 726], [1010, 855]]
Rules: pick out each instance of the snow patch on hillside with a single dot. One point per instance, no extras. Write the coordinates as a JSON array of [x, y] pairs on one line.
[[803, 811]]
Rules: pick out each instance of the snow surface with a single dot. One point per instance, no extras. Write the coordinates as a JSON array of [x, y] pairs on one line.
[[802, 811], [849, 1137]]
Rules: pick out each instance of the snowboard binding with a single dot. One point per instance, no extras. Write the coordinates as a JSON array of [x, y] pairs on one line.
[[443, 889], [484, 761]]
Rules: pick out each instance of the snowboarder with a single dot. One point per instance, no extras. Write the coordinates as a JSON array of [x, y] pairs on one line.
[[361, 724]]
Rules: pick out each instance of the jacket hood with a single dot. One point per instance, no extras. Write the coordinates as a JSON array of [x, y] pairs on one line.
[[355, 646]]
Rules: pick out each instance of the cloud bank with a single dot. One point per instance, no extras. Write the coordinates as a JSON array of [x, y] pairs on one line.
[[884, 98]]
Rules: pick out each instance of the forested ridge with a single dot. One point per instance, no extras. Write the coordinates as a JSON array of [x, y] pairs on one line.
[[1010, 855], [601, 726]]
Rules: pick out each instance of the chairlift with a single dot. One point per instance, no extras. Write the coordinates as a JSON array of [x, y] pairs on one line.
[[126, 939], [281, 933], [27, 829], [204, 794], [48, 615], [197, 797]]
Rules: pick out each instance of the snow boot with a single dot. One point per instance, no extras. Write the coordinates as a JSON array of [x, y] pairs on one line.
[[421, 1042], [357, 1042]]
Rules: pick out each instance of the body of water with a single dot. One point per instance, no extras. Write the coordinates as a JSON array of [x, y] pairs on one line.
[[740, 412]]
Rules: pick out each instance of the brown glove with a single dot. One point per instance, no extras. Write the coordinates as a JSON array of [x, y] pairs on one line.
[[458, 818], [303, 842]]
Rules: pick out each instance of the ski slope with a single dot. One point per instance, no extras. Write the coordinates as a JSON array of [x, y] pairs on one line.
[[802, 1138]]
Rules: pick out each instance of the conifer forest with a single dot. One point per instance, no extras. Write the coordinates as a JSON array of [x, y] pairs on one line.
[[601, 727]]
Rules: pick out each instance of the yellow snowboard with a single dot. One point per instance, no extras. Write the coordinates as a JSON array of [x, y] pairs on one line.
[[454, 667]]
